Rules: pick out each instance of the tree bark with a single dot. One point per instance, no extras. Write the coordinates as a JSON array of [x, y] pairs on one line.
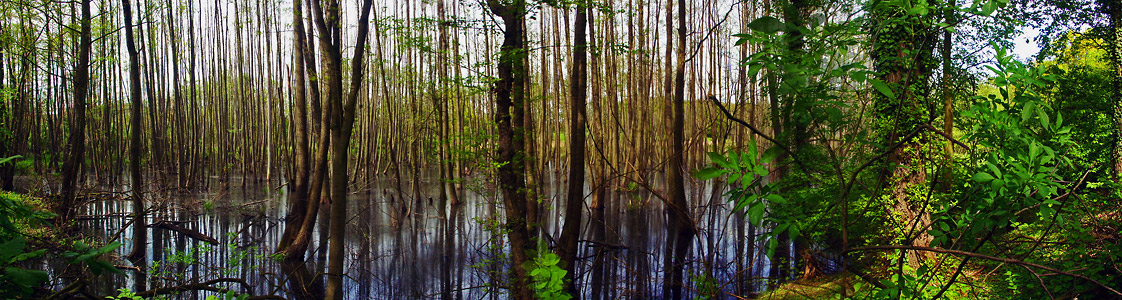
[[511, 92], [299, 198], [327, 18], [680, 226], [71, 169], [1114, 12], [574, 204], [136, 142], [902, 55]]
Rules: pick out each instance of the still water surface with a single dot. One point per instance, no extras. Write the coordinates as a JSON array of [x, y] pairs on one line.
[[421, 248]]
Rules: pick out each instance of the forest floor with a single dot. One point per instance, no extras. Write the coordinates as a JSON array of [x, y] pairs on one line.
[[822, 287]]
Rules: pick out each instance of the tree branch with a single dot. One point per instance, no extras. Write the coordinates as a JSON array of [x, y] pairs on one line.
[[986, 257]]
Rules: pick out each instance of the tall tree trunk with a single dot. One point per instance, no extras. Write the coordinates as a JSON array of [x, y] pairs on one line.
[[7, 172], [948, 98], [298, 198], [295, 252], [1114, 12], [136, 142], [574, 204], [66, 207], [327, 19], [511, 93], [680, 226], [902, 56]]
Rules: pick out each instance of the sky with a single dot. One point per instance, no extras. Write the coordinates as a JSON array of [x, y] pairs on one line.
[[1024, 46]]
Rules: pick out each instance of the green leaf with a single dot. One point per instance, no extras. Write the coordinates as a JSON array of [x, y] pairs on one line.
[[882, 88], [770, 154], [718, 159], [1026, 113], [766, 24], [9, 159], [775, 198], [28, 255], [26, 278], [983, 177], [754, 69], [756, 213], [709, 173], [11, 248], [858, 76]]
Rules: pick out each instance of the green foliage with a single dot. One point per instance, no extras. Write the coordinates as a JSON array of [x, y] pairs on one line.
[[1022, 142], [491, 265], [16, 215], [16, 282], [125, 294], [746, 171], [1082, 92], [707, 286], [91, 257], [548, 277], [228, 295]]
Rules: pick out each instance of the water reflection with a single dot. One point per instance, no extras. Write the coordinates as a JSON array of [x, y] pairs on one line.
[[422, 247]]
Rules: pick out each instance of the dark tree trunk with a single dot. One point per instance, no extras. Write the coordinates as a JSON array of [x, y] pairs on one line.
[[136, 143], [66, 206], [295, 252], [574, 204], [327, 18], [680, 226], [1114, 12], [7, 171], [511, 93]]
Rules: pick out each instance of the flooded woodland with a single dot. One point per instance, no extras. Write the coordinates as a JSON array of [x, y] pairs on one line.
[[526, 149]]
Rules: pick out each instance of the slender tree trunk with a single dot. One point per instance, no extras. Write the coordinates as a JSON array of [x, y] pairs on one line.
[[680, 226], [136, 142], [327, 19], [948, 99], [295, 252], [574, 204], [7, 172], [71, 169], [298, 198]]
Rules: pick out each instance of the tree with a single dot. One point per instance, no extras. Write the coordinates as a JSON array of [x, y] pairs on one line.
[[902, 56], [511, 94], [1113, 9], [327, 19], [136, 142], [299, 199], [71, 169], [679, 225], [574, 204]]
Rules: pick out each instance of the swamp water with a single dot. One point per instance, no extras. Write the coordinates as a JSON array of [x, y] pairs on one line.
[[421, 248]]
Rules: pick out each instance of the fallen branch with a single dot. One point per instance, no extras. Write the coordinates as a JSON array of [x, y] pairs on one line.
[[201, 286], [188, 232], [592, 243]]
